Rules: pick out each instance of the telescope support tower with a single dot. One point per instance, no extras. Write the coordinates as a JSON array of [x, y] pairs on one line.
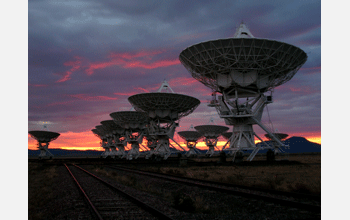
[[44, 152]]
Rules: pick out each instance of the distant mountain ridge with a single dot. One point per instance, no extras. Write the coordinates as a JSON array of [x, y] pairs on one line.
[[296, 145]]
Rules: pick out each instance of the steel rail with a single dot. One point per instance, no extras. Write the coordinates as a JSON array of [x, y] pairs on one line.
[[207, 185], [141, 204], [91, 205]]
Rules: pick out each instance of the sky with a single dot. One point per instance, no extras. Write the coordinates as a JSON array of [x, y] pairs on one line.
[[85, 58]]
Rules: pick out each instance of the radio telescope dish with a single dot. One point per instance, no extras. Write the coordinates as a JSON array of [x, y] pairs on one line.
[[44, 138], [191, 138], [211, 130], [190, 135], [255, 64], [166, 106], [130, 119], [102, 130], [280, 136], [112, 126], [211, 134], [164, 110], [134, 124], [242, 69], [97, 133]]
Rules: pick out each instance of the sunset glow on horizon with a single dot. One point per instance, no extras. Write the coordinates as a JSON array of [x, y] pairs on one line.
[[88, 141]]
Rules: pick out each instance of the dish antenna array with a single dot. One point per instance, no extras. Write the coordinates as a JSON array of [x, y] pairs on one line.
[[243, 70], [116, 139], [134, 125], [164, 111], [44, 138]]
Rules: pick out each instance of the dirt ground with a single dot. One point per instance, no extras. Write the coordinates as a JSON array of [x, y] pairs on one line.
[[303, 176]]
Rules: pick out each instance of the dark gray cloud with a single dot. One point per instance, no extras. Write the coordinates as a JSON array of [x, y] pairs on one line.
[[86, 57]]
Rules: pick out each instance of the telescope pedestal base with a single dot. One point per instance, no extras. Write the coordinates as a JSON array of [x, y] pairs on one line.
[[163, 149], [134, 152], [210, 152], [44, 152]]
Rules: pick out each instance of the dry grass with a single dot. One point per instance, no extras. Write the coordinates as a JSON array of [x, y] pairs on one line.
[[40, 181], [304, 177]]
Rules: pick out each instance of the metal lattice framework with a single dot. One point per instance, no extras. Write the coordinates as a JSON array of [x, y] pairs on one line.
[[170, 106], [242, 69], [249, 63]]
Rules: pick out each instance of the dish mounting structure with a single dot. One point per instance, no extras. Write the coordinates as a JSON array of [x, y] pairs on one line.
[[164, 111], [102, 132], [134, 125], [211, 133], [280, 136], [244, 70], [100, 135], [44, 138], [116, 139], [191, 136]]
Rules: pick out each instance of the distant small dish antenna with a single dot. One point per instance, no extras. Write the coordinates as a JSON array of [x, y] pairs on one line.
[[243, 32], [165, 86], [45, 128]]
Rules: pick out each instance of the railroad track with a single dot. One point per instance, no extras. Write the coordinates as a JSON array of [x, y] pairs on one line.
[[306, 202], [107, 201]]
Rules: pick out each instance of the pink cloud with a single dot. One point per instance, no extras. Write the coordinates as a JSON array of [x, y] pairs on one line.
[[142, 59], [127, 60], [59, 103], [76, 64], [129, 56], [311, 68], [37, 85], [183, 81], [93, 98]]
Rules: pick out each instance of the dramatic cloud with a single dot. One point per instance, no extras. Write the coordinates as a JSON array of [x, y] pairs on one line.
[[86, 57]]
